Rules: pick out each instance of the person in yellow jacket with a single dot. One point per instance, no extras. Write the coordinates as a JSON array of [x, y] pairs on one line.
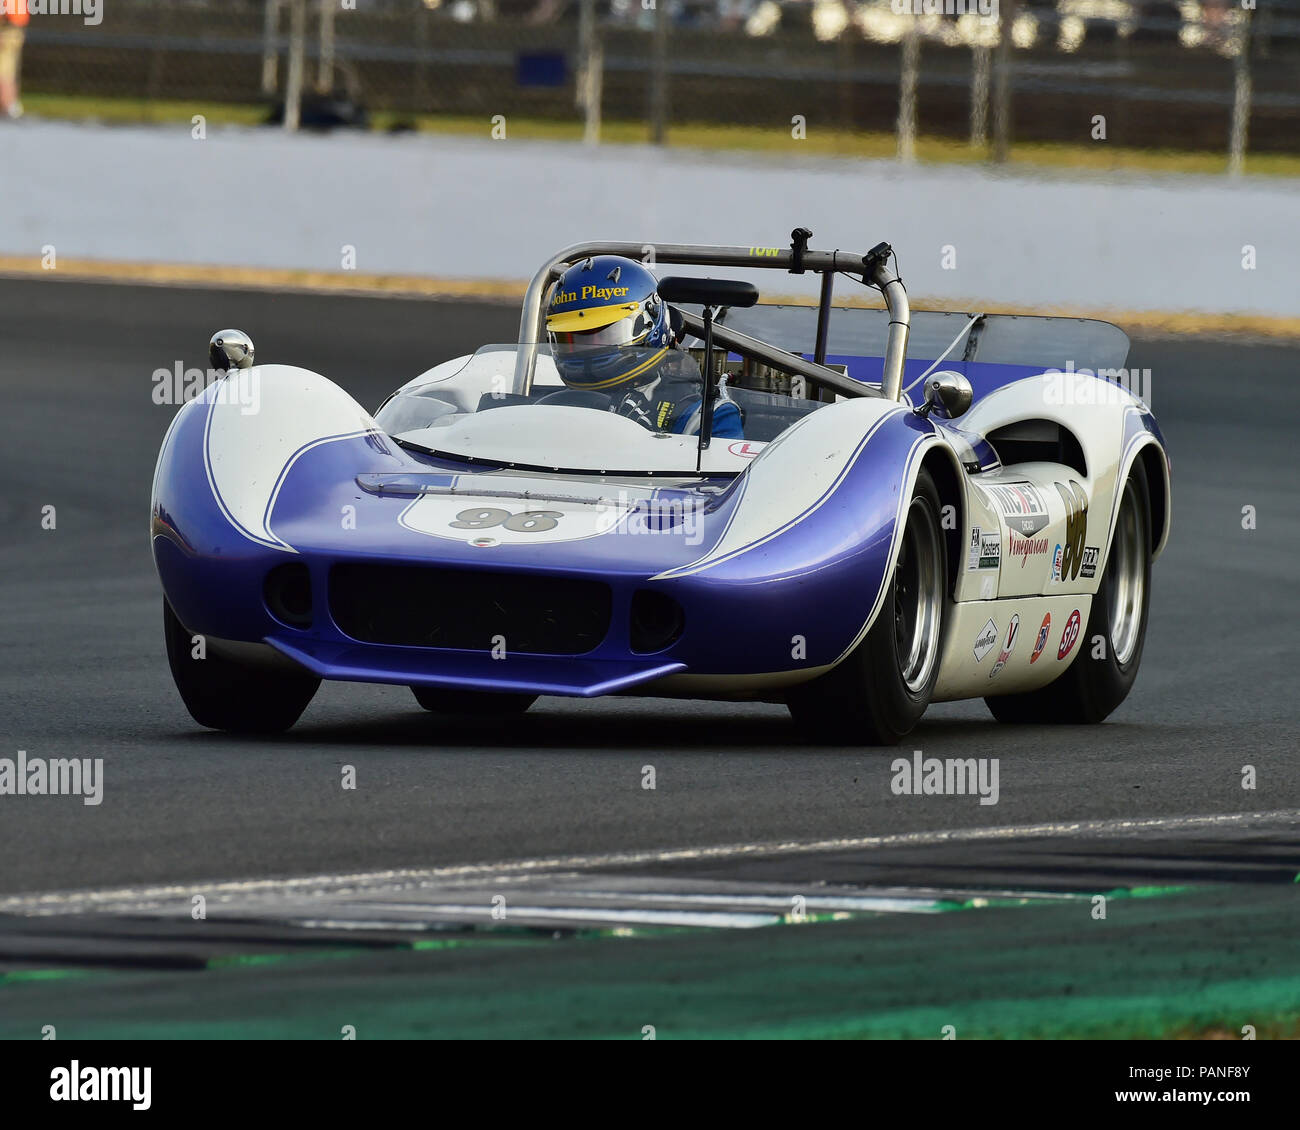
[[13, 18]]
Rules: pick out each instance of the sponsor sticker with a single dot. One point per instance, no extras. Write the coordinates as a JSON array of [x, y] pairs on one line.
[[985, 640], [1056, 562], [1068, 636], [985, 550], [1008, 646], [1043, 632], [1022, 505], [1025, 548], [745, 449], [990, 551], [1089, 566]]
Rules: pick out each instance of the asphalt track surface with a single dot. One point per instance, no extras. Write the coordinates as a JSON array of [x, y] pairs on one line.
[[83, 671]]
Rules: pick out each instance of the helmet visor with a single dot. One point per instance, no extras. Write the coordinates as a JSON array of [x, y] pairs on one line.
[[626, 331]]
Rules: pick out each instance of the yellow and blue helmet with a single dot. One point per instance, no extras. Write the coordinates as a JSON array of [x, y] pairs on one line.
[[607, 325]]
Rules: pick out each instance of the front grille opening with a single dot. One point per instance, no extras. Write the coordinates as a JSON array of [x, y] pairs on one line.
[[502, 613], [657, 621], [287, 592]]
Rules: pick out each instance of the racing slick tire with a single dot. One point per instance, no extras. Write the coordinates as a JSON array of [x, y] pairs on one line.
[[881, 689], [1094, 685], [225, 694], [471, 702]]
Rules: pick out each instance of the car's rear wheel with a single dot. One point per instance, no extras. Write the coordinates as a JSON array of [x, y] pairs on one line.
[[471, 702], [879, 692], [225, 694], [1110, 648]]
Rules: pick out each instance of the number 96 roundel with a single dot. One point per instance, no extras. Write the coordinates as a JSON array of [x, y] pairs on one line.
[[510, 523]]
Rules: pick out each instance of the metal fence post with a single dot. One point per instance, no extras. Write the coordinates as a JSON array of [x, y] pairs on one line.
[[591, 66], [1002, 83], [1241, 97], [981, 65], [910, 65], [325, 68], [293, 83], [270, 50], [659, 75]]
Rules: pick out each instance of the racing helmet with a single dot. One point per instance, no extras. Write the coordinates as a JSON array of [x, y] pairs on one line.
[[607, 325]]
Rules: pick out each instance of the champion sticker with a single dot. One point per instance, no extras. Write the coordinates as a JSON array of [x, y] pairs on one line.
[[1013, 634], [985, 640], [1068, 636], [1041, 641]]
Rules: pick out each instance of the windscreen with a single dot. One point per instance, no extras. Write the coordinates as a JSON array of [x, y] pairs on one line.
[[592, 405]]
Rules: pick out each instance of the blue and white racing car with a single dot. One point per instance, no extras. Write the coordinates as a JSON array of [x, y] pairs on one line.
[[974, 520]]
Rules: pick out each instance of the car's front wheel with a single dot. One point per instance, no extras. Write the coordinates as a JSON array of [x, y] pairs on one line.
[[224, 694], [878, 693]]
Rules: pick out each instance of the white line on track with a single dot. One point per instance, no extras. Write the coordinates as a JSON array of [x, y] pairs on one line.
[[119, 900]]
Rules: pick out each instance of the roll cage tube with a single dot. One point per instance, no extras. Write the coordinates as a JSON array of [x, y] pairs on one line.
[[873, 267], [778, 358]]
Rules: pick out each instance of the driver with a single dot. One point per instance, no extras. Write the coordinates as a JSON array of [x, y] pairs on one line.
[[611, 336]]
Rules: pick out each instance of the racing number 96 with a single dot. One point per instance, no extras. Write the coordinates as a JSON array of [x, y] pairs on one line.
[[1076, 528], [526, 522]]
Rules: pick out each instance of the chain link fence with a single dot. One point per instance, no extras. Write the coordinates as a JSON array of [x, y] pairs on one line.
[[1166, 74]]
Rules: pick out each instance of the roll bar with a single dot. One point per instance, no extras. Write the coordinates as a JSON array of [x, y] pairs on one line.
[[873, 267], [771, 355]]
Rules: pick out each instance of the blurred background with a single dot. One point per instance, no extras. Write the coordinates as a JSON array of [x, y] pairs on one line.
[[1194, 86]]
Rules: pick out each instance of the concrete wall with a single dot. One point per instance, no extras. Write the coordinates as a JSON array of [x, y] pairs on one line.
[[461, 207]]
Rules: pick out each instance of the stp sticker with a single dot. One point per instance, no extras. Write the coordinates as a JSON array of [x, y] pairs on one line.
[[1013, 633], [1041, 642], [985, 640], [745, 449], [1068, 636]]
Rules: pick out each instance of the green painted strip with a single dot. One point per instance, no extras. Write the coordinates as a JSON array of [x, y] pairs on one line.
[[1147, 892], [17, 976]]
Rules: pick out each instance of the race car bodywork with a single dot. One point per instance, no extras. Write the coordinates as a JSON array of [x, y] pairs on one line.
[[484, 539]]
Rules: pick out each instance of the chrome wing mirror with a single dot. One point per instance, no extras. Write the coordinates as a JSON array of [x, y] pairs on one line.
[[230, 349], [947, 394]]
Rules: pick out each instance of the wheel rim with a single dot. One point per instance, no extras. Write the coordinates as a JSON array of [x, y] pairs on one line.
[[1128, 580], [918, 598]]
